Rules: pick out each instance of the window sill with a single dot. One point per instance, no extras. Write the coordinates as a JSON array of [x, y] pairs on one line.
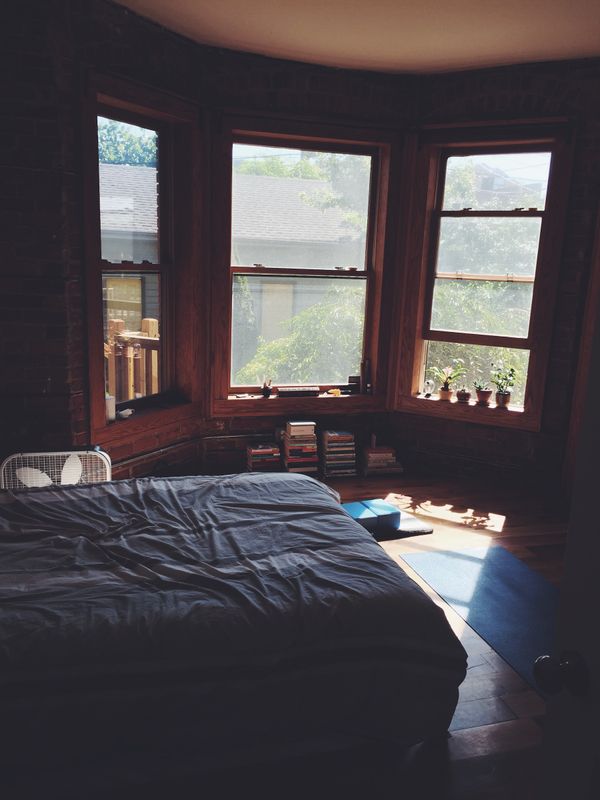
[[511, 417], [151, 419], [274, 406]]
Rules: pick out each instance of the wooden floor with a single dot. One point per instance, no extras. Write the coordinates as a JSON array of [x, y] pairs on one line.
[[494, 746]]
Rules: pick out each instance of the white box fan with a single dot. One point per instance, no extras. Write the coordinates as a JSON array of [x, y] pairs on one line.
[[35, 470]]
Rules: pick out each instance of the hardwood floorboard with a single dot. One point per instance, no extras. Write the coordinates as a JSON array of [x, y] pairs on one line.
[[495, 740]]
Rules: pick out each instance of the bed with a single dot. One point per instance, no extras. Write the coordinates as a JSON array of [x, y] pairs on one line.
[[216, 619]]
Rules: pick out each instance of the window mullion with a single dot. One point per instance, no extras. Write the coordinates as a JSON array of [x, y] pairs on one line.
[[470, 212], [468, 276]]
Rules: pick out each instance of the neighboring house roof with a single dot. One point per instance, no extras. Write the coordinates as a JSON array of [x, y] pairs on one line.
[[286, 209], [128, 198], [264, 207]]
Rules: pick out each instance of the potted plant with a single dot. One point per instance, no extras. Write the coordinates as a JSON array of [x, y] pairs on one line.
[[483, 392], [447, 375], [503, 379], [463, 395]]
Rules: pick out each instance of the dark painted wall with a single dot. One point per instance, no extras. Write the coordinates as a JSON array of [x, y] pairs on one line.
[[47, 47]]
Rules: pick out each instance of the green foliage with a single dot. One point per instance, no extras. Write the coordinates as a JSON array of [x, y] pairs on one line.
[[120, 143], [322, 344], [478, 360], [481, 307], [278, 168], [503, 378]]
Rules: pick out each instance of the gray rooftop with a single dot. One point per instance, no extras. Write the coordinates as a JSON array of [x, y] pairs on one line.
[[286, 209], [264, 207], [128, 198]]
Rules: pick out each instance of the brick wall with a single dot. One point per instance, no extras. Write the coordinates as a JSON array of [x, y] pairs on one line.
[[47, 48]]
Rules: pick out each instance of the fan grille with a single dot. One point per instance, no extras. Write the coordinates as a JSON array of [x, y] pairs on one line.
[[28, 470]]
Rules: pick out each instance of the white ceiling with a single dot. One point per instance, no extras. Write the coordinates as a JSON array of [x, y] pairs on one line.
[[389, 35]]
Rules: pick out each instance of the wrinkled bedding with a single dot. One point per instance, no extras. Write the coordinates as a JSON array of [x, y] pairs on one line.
[[233, 602]]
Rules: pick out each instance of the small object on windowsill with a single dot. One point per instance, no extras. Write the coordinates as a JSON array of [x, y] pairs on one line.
[[111, 412], [334, 392], [267, 389], [299, 391], [126, 412], [354, 384]]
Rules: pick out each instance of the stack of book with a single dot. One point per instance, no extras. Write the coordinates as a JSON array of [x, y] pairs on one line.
[[300, 447], [338, 453], [263, 458], [380, 459]]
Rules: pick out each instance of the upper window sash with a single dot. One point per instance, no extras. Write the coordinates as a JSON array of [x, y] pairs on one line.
[[134, 194], [485, 234], [297, 208]]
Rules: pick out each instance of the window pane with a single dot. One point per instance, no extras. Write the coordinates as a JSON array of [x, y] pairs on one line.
[[500, 308], [128, 173], [296, 330], [500, 181], [132, 356], [298, 208], [478, 362], [489, 246]]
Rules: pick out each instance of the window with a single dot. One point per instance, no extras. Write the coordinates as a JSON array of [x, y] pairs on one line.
[[484, 295], [301, 262], [489, 219], [128, 178], [141, 203]]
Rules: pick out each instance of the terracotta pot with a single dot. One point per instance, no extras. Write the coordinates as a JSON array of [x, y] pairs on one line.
[[502, 399], [463, 396], [445, 394], [483, 397]]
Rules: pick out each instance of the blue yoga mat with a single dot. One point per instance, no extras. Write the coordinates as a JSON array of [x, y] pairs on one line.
[[505, 602]]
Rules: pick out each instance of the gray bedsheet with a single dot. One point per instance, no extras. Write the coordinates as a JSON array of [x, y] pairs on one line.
[[221, 582]]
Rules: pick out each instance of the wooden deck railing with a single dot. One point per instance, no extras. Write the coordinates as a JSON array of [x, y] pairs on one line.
[[132, 360]]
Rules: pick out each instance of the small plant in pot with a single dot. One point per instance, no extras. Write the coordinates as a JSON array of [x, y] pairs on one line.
[[503, 379], [447, 375], [483, 392], [463, 395]]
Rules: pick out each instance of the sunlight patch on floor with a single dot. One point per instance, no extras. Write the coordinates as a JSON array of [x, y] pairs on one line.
[[467, 517]]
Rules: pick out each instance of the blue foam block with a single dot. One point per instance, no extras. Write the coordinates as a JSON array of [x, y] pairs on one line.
[[388, 516], [361, 514]]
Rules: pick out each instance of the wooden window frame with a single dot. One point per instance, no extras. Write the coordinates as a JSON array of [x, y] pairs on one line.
[[180, 190], [430, 150], [308, 136]]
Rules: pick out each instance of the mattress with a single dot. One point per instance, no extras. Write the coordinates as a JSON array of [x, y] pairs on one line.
[[225, 612]]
